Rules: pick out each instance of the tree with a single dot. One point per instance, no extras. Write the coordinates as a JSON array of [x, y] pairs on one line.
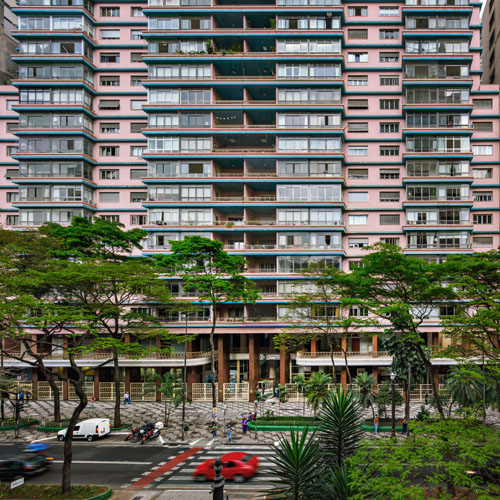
[[109, 283], [215, 276], [383, 398], [22, 256], [365, 383], [340, 425], [317, 390], [321, 309], [295, 466], [465, 385], [72, 324], [171, 388], [401, 290], [406, 364], [434, 462], [300, 381], [474, 327]]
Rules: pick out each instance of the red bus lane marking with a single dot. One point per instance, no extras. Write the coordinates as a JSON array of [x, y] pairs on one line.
[[144, 481]]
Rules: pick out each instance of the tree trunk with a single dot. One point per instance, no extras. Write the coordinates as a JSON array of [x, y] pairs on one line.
[[118, 396], [435, 386], [212, 359], [68, 453], [347, 368], [56, 396], [334, 376], [406, 390], [165, 414]]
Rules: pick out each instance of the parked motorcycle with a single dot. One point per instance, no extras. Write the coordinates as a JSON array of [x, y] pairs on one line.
[[132, 433], [153, 432], [136, 434]]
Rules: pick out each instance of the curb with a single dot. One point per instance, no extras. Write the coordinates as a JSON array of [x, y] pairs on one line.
[[21, 425], [264, 427], [102, 496], [382, 428]]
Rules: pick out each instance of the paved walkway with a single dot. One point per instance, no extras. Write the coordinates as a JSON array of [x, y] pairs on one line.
[[198, 416]]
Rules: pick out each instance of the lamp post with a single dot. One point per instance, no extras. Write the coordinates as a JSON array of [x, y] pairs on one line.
[[393, 431], [218, 484], [184, 380]]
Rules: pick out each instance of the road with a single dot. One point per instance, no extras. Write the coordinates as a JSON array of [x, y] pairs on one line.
[[124, 465]]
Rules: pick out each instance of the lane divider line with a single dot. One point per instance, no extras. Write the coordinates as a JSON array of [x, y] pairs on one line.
[[144, 481]]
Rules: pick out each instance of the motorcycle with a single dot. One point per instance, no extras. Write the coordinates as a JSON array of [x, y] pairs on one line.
[[135, 435], [153, 432], [132, 433]]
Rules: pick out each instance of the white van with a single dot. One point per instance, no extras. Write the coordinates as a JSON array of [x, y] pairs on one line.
[[90, 429]]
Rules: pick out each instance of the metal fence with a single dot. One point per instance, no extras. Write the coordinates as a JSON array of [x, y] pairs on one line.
[[236, 391]]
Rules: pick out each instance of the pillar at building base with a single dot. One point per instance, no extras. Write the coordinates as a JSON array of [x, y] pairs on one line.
[[253, 365], [223, 351], [96, 385], [284, 367]]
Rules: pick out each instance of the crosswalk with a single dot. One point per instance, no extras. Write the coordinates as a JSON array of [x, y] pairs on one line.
[[183, 473]]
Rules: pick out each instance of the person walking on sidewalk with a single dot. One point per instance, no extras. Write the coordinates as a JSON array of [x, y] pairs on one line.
[[244, 425], [376, 424], [405, 426], [229, 434], [214, 431]]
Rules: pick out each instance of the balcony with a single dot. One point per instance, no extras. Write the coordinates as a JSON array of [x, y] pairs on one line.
[[173, 359], [380, 358]]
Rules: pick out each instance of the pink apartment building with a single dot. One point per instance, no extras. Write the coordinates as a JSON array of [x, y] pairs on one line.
[[291, 130]]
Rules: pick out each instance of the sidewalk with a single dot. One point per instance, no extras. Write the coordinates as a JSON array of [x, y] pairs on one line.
[[162, 495]]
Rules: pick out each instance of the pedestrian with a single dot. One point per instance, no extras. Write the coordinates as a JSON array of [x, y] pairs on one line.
[[229, 434], [405, 426], [426, 396], [28, 396], [126, 398], [214, 431], [250, 416], [376, 424], [244, 425], [20, 396]]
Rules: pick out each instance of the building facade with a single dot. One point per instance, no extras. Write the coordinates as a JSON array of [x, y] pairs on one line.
[[294, 131]]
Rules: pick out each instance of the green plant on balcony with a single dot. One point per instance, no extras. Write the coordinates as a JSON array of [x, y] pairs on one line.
[[272, 23], [209, 48]]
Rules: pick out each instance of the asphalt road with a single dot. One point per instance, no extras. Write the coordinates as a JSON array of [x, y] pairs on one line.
[[125, 465], [103, 462]]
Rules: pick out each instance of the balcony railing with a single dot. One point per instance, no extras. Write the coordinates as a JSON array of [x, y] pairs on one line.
[[413, 246], [340, 354]]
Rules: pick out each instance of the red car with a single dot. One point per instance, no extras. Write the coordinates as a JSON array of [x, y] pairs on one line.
[[236, 465]]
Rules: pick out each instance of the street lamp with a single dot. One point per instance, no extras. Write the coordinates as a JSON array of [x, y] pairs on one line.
[[184, 380], [393, 379]]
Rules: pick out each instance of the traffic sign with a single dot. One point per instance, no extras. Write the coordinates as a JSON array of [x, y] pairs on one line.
[[16, 483]]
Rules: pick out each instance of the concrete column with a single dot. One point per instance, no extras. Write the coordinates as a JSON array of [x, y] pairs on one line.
[[96, 384], [253, 364], [315, 345], [375, 346], [127, 380], [223, 350], [375, 374], [284, 368]]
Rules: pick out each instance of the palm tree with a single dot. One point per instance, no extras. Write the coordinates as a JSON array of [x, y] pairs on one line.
[[465, 385], [317, 390], [365, 383], [340, 429], [295, 466], [300, 381]]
